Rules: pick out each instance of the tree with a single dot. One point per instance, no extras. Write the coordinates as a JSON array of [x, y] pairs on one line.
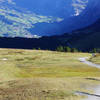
[[98, 50], [74, 50], [34, 48], [94, 50], [60, 49], [39, 48], [67, 49]]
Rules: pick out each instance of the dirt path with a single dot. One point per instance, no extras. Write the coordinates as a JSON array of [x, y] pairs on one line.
[[96, 95], [83, 60]]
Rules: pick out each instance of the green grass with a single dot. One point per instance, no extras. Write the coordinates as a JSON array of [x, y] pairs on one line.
[[32, 75]]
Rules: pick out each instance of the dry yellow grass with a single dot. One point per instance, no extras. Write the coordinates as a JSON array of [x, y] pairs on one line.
[[43, 75], [96, 59], [32, 63], [44, 89]]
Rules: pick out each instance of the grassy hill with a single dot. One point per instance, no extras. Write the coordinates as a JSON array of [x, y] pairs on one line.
[[44, 75]]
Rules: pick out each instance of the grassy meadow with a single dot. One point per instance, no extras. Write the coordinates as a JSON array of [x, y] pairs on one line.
[[44, 75], [96, 59]]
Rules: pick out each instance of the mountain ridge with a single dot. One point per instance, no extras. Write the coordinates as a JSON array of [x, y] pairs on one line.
[[20, 18], [86, 41]]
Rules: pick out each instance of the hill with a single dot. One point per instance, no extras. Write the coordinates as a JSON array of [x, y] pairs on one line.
[[22, 18], [17, 22], [87, 38], [84, 39]]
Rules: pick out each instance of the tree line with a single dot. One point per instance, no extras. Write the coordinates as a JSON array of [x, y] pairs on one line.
[[66, 49], [69, 49], [95, 50]]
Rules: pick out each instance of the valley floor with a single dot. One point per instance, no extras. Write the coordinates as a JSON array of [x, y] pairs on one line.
[[44, 75]]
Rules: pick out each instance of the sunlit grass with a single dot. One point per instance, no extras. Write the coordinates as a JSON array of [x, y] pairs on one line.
[[32, 63], [44, 75], [96, 59], [46, 64]]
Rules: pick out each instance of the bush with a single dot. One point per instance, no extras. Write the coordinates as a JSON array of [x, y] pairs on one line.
[[74, 50], [60, 49], [66, 49]]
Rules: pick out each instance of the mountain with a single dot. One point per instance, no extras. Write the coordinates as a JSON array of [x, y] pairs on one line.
[[35, 18], [84, 39], [16, 21], [87, 38]]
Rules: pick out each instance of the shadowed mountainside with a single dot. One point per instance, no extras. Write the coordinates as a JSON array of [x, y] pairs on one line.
[[22, 18], [86, 41]]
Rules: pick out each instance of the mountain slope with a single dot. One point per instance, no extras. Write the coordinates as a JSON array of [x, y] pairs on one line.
[[84, 39], [89, 38], [23, 18], [16, 21]]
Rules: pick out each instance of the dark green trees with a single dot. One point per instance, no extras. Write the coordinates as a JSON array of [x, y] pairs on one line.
[[66, 49], [95, 50], [60, 49]]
